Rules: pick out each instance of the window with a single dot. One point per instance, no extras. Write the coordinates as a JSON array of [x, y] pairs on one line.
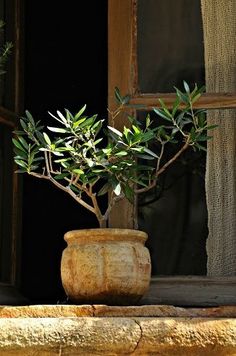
[[140, 64]]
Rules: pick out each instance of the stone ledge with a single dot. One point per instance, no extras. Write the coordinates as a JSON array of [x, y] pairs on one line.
[[56, 311], [118, 336]]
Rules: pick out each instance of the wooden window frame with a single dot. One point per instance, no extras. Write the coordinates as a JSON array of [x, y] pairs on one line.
[[122, 73], [14, 28]]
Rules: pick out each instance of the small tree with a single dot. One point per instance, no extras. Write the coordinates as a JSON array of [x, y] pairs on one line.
[[76, 160]]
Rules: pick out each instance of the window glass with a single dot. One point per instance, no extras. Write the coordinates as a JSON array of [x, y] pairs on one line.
[[170, 44], [174, 214]]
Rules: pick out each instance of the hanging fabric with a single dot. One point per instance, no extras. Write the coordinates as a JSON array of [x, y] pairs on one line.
[[219, 28]]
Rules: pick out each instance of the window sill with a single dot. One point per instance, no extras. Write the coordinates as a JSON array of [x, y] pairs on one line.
[[103, 330]]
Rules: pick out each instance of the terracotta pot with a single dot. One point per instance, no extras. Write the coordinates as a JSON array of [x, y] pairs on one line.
[[106, 266]]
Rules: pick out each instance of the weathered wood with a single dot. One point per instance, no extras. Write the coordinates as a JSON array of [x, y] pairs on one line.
[[122, 73], [10, 118], [121, 68], [18, 107], [19, 60], [7, 117], [9, 295], [192, 291], [207, 101]]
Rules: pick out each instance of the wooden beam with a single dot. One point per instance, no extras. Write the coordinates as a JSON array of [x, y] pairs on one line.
[[192, 291], [207, 101], [7, 117], [121, 74]]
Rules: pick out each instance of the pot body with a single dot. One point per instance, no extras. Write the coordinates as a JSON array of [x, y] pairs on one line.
[[106, 266]]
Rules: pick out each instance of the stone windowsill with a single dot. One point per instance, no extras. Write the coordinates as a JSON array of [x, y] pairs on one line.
[[48, 330]]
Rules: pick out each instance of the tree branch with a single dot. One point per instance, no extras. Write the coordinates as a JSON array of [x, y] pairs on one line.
[[163, 168], [65, 189]]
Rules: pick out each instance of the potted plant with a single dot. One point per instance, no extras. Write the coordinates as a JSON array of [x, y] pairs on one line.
[[86, 160]]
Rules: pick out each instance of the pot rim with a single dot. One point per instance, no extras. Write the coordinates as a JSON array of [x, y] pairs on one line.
[[106, 234]]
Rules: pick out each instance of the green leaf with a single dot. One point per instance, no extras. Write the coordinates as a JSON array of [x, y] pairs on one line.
[[174, 131], [97, 126], [175, 106], [79, 113], [23, 124], [137, 149], [90, 162], [75, 189], [18, 145], [97, 141], [57, 153], [37, 159], [147, 150], [117, 189], [88, 122], [143, 156], [61, 176], [56, 129], [138, 181], [29, 117], [39, 136], [107, 151], [21, 163], [129, 193], [161, 113], [186, 87], [21, 154], [196, 97], [78, 122], [211, 127], [56, 118], [148, 136], [203, 138], [182, 96], [121, 153], [22, 170], [105, 189], [125, 99], [61, 116], [62, 160], [148, 120], [23, 142], [136, 129], [78, 171], [118, 96], [69, 116], [200, 147], [193, 134], [98, 171], [115, 131], [46, 138], [127, 134]]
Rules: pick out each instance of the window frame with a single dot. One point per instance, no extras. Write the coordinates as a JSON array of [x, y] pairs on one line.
[[122, 73], [14, 33]]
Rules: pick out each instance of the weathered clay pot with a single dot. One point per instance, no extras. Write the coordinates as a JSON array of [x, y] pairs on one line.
[[108, 266]]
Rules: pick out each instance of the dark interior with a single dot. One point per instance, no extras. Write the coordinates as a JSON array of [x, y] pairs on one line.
[[65, 67]]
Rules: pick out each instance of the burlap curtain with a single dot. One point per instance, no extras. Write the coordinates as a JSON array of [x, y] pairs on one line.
[[219, 28]]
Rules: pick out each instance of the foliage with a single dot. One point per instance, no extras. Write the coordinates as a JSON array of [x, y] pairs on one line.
[[84, 158], [5, 50]]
